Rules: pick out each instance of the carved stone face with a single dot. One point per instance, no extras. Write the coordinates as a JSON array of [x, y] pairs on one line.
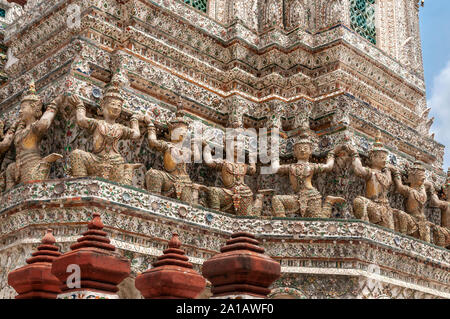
[[112, 107], [178, 134], [417, 177], [27, 111], [302, 151], [378, 159]]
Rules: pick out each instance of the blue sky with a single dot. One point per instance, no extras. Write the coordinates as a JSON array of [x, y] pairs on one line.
[[435, 34]]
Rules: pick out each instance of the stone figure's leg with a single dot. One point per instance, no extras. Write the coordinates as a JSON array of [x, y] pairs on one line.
[[360, 208], [3, 181], [447, 237], [200, 194], [154, 181], [187, 195], [388, 219], [381, 215], [10, 176], [439, 235], [259, 201], [278, 207], [127, 173], [42, 170], [330, 201], [282, 204], [168, 185], [404, 223], [127, 177], [79, 162], [314, 209], [375, 213], [118, 174], [258, 204], [245, 206], [218, 198], [424, 231], [400, 223]]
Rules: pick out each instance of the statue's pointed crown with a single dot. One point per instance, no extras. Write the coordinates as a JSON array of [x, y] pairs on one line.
[[178, 120], [378, 145], [304, 137], [418, 164], [113, 88], [30, 93]]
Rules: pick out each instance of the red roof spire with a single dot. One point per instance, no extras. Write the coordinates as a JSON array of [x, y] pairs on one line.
[[241, 268], [35, 280], [101, 269], [95, 236], [21, 2], [172, 276]]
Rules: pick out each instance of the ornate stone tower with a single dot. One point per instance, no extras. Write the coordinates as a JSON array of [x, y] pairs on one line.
[[349, 68]]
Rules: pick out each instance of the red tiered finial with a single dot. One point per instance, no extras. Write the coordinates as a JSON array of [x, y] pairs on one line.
[[35, 280], [95, 236], [21, 2], [175, 241], [241, 268], [172, 276], [101, 268]]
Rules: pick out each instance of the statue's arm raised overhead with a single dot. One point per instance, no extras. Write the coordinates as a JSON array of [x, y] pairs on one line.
[[41, 126], [132, 133], [399, 187], [153, 141], [358, 168], [328, 167], [283, 170], [277, 168], [215, 163], [8, 139], [435, 201], [251, 170], [82, 120]]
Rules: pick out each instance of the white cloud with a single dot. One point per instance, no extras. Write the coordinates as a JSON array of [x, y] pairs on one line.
[[440, 109]]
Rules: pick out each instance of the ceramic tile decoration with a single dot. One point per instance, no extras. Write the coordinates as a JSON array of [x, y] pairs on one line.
[[91, 92]]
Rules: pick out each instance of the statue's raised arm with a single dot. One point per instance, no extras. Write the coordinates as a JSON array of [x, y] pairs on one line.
[[399, 187], [153, 141], [357, 166], [8, 137], [443, 205], [81, 118], [214, 163], [328, 166]]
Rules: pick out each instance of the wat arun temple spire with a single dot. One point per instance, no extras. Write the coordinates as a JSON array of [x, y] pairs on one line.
[[142, 111]]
